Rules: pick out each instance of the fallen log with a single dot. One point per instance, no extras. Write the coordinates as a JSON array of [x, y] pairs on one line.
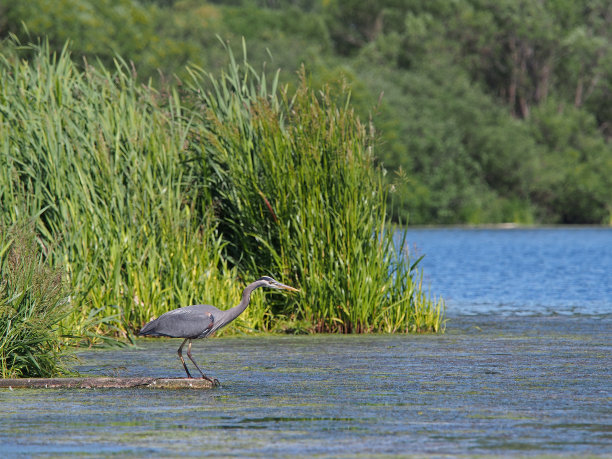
[[104, 382]]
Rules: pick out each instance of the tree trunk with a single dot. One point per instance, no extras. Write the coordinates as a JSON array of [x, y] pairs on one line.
[[578, 94]]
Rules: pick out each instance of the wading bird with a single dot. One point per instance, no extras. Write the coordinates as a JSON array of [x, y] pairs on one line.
[[201, 320]]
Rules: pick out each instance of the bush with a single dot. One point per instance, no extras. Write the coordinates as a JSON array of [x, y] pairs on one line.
[[33, 300]]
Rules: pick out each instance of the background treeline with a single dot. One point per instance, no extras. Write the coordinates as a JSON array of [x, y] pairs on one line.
[[493, 110]]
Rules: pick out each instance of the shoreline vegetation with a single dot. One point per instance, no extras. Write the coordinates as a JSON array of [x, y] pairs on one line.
[[151, 200], [485, 111]]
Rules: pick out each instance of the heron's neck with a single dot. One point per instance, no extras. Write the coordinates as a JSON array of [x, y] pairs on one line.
[[234, 312]]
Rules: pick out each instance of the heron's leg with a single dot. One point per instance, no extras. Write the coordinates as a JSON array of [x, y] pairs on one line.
[[214, 381], [180, 354]]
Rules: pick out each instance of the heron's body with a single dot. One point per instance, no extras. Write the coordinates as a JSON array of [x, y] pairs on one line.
[[201, 320], [193, 322]]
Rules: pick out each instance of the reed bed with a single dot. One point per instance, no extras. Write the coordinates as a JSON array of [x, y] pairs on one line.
[[156, 200], [297, 193], [97, 160]]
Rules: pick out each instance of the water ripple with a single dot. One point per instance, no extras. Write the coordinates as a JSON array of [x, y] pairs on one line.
[[518, 271]]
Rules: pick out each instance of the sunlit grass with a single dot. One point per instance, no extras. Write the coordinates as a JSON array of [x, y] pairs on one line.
[[298, 194], [156, 200], [33, 301], [98, 160]]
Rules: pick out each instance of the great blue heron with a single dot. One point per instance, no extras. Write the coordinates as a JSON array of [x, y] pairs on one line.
[[201, 320]]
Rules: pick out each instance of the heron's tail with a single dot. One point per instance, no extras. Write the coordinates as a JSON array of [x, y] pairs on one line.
[[148, 329]]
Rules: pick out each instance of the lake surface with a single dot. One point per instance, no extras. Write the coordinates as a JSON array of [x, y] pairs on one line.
[[530, 376], [518, 271], [525, 386]]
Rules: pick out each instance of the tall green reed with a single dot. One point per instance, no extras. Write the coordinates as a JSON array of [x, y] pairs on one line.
[[156, 200], [33, 300], [100, 160], [298, 194]]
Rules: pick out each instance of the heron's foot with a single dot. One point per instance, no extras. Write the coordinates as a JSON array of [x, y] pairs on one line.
[[214, 381]]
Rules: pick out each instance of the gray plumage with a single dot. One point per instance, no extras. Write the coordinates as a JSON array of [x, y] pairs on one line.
[[192, 322], [201, 320]]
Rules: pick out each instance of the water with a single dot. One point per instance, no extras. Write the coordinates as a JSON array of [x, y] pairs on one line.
[[529, 386], [530, 376], [518, 271]]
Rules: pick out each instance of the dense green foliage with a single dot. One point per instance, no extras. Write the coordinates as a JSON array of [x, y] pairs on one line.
[[297, 192], [32, 303], [101, 162], [159, 200], [492, 110]]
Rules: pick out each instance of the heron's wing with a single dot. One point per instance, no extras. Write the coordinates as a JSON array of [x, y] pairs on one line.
[[189, 322]]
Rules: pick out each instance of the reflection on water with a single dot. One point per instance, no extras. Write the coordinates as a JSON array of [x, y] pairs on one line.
[[487, 386], [518, 271]]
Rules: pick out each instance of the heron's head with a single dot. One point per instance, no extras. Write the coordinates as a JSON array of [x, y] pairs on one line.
[[271, 283]]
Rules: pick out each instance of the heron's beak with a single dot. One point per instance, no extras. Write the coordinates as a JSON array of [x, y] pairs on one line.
[[286, 287]]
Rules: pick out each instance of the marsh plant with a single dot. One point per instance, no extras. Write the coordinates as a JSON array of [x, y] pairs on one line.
[[33, 301], [97, 159], [297, 192], [160, 199]]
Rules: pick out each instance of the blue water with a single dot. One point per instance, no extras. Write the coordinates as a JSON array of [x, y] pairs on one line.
[[488, 387], [539, 271], [534, 384]]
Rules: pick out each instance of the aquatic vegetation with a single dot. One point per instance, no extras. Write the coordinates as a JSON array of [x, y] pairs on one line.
[[298, 193], [33, 301], [97, 159], [157, 199]]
